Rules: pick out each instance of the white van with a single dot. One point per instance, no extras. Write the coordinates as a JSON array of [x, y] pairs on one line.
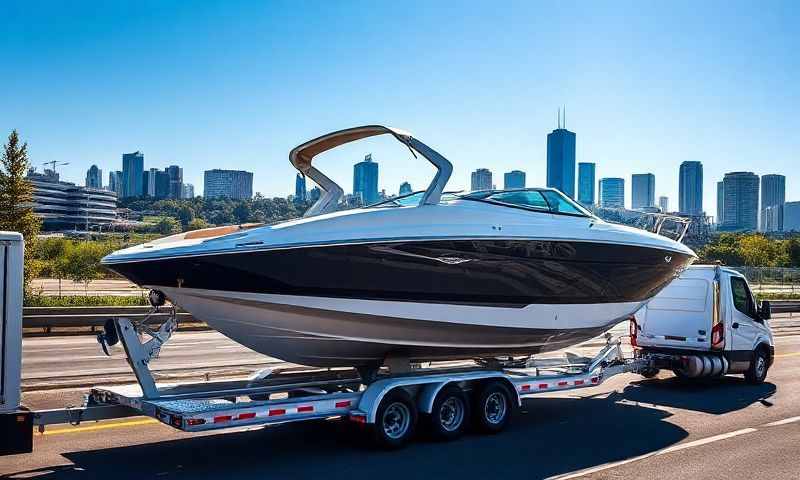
[[706, 323]]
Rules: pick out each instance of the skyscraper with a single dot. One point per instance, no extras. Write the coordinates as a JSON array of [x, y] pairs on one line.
[[690, 188], [663, 204], [514, 179], [175, 175], [481, 179], [115, 182], [643, 190], [561, 160], [132, 174], [773, 193], [612, 192], [740, 210], [300, 193], [791, 217], [720, 202], [235, 184], [586, 183], [187, 191], [94, 177], [405, 188], [365, 180]]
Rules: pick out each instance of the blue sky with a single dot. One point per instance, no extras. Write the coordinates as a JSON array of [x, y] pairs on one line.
[[237, 84]]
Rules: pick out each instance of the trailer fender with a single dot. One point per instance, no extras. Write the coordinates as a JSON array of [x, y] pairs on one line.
[[428, 395]]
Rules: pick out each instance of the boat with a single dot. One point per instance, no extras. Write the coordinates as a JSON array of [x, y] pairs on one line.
[[431, 275]]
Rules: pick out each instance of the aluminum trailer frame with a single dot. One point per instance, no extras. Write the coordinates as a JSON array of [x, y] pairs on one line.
[[281, 397]]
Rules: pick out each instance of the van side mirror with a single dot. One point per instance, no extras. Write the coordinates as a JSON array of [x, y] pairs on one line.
[[765, 310]]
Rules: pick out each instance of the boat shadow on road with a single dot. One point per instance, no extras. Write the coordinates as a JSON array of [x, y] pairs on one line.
[[549, 436]]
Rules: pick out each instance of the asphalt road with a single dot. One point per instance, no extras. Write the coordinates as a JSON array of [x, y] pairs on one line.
[[626, 427]]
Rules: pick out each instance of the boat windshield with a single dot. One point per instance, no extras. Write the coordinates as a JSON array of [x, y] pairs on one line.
[[536, 199], [409, 200]]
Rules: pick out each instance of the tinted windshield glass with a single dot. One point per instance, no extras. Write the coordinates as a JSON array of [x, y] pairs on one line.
[[525, 198], [412, 199], [561, 204]]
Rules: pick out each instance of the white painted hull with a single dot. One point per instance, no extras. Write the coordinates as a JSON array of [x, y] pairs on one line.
[[327, 332]]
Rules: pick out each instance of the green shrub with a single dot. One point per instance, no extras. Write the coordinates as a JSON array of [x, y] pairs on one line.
[[84, 301]]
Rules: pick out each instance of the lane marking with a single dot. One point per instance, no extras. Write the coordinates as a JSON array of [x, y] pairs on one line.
[[675, 448], [102, 426], [782, 422], [783, 355]]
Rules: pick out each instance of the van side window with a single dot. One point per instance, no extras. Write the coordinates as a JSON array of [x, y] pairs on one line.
[[741, 296]]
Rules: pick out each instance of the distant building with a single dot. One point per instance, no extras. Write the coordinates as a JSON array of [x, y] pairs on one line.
[[235, 184], [175, 181], [66, 206], [561, 160], [514, 179], [405, 188], [643, 190], [365, 180], [586, 179], [94, 177], [663, 204], [772, 219], [115, 182], [791, 217], [300, 193], [773, 193], [720, 202], [156, 183], [690, 188], [187, 191], [612, 192], [481, 179], [314, 194], [132, 174], [740, 206]]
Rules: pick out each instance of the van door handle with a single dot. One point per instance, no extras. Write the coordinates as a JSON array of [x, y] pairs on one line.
[[735, 325]]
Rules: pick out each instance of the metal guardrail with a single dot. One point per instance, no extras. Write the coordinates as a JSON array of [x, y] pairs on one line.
[[48, 318], [784, 306]]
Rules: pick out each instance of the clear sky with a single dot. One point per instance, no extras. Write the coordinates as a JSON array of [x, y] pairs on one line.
[[237, 84]]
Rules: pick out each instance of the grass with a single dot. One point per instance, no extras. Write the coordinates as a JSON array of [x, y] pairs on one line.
[[778, 296], [84, 301]]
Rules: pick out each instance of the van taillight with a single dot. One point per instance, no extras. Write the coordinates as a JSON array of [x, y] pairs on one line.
[[633, 331], [718, 335]]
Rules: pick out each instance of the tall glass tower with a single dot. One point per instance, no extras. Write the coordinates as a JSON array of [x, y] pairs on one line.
[[365, 180], [586, 183], [612, 192], [773, 194], [561, 160], [740, 210], [133, 174], [643, 190], [690, 188], [514, 179], [300, 193]]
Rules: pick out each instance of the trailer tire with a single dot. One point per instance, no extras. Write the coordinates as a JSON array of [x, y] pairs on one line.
[[757, 372], [450, 413], [494, 405], [395, 420]]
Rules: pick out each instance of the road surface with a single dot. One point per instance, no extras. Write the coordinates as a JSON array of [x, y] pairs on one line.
[[628, 427]]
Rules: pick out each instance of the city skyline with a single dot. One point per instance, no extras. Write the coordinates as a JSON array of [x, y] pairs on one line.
[[640, 99]]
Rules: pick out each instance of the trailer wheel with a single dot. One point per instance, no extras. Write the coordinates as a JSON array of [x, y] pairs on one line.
[[493, 407], [757, 372], [395, 420], [450, 413]]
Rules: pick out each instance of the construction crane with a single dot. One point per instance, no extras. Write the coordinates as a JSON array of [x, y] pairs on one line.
[[53, 164]]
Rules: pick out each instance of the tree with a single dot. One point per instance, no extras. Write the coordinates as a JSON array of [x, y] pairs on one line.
[[793, 250], [16, 198], [167, 226], [197, 224]]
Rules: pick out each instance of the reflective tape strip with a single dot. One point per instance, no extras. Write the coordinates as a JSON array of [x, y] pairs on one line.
[[222, 418], [277, 411]]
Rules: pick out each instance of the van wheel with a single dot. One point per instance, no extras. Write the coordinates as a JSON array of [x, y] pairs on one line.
[[757, 372]]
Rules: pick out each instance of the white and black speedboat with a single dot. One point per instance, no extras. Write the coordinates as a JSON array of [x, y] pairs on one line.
[[427, 276]]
